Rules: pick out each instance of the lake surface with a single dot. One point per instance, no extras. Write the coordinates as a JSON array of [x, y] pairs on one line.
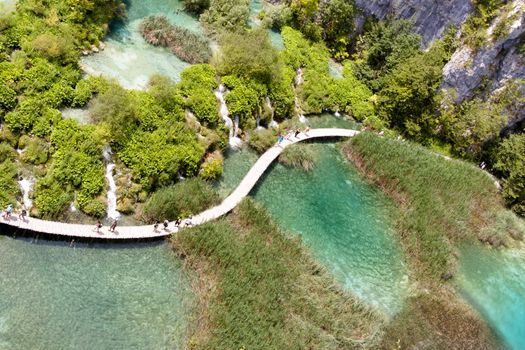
[[58, 295], [493, 281], [128, 57]]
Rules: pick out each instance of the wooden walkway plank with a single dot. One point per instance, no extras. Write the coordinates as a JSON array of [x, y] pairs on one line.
[[147, 231]]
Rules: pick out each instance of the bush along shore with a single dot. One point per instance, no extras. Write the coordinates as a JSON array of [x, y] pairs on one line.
[[258, 288], [186, 45], [440, 203]]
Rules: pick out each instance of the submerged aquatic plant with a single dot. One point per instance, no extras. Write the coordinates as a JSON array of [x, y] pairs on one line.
[[186, 45]]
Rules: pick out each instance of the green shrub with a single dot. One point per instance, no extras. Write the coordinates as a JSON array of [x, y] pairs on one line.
[[51, 199], [95, 207], [6, 152], [509, 161], [262, 140], [196, 6], [300, 156], [8, 186], [212, 167], [226, 15], [186, 197], [36, 152]]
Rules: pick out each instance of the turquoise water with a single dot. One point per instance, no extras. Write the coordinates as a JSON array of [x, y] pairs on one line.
[[345, 223], [494, 282], [129, 58], [54, 295]]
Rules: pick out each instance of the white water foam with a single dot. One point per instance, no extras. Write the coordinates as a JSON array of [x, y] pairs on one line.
[[235, 142], [26, 186], [112, 191]]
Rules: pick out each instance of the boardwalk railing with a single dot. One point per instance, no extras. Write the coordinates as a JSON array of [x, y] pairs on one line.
[[148, 231]]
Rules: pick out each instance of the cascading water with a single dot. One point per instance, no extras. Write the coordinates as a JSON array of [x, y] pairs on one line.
[[235, 142], [273, 123], [26, 184], [112, 191], [298, 81]]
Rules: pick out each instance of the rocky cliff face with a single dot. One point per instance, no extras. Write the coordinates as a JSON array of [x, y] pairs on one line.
[[488, 68], [432, 17], [491, 66]]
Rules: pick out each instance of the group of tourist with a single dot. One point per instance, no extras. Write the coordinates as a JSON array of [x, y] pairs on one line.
[[9, 211], [178, 224], [291, 133]]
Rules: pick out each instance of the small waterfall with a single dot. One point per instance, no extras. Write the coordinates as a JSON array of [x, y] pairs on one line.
[[273, 123], [25, 186], [112, 191], [337, 114], [303, 119], [299, 77], [235, 142], [72, 207]]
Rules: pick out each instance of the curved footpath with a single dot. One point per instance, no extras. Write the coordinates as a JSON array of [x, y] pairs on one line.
[[147, 231]]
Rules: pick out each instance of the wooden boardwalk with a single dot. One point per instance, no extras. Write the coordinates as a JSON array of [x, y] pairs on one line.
[[147, 231]]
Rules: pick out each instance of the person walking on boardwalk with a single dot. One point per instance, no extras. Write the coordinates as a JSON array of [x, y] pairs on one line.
[[297, 132], [306, 131], [22, 215], [166, 223], [280, 139], [178, 222], [8, 211], [156, 226], [113, 226], [98, 226]]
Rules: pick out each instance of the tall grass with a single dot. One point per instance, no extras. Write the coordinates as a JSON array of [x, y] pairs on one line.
[[299, 155], [268, 292], [441, 201], [186, 197], [186, 45]]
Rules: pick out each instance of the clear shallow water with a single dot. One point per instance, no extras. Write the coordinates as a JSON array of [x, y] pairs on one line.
[[97, 296], [340, 217], [345, 223], [494, 282], [129, 58]]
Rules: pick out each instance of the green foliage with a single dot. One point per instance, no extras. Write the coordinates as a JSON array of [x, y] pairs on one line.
[[475, 27], [282, 95], [249, 55], [6, 152], [244, 98], [36, 152], [407, 99], [226, 15], [509, 160], [336, 17], [196, 6], [50, 198], [157, 158], [86, 88], [186, 45], [7, 98], [197, 85], [461, 204], [165, 93], [382, 48], [185, 198], [269, 293], [8, 185], [261, 140], [300, 155], [212, 167]]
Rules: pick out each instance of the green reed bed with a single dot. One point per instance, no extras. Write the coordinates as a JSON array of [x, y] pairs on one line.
[[442, 201], [299, 155], [188, 46], [259, 289]]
